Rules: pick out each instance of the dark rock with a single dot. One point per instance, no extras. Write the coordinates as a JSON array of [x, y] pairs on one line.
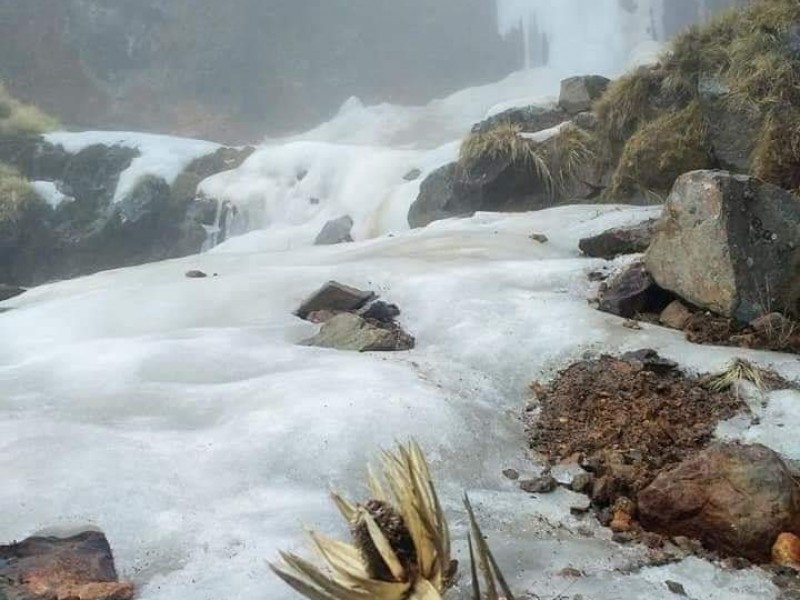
[[336, 297], [619, 241], [675, 588], [336, 231], [45, 568], [631, 292], [511, 474], [539, 237], [412, 175], [579, 93], [736, 499], [348, 331], [651, 361], [195, 274], [529, 119], [730, 244], [437, 199], [380, 311], [10, 291], [542, 485]]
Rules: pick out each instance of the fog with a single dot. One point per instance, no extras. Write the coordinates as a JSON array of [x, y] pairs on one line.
[[235, 71]]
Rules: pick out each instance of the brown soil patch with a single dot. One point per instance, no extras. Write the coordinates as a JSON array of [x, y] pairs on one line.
[[625, 419], [707, 328]]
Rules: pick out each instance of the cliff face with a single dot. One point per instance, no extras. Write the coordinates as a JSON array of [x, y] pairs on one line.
[[235, 70]]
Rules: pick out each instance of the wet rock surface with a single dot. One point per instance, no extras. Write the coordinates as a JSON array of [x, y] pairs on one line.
[[48, 568]]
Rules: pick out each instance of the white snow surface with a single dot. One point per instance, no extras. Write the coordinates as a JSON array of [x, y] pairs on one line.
[[181, 417], [160, 155]]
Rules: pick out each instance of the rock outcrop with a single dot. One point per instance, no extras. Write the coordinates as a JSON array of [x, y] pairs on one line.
[[48, 568], [730, 244], [736, 499], [91, 230]]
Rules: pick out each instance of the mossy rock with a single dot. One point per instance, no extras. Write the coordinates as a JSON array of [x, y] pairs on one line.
[[661, 151]]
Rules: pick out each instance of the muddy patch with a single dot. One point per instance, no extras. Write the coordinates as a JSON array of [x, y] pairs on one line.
[[624, 420]]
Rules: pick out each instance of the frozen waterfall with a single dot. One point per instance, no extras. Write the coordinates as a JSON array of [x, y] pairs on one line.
[[581, 36]]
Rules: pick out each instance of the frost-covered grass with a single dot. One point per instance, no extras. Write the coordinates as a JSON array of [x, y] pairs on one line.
[[181, 417]]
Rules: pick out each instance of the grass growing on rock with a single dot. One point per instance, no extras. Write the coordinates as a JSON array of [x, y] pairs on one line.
[[20, 119], [750, 57], [556, 160], [16, 195]]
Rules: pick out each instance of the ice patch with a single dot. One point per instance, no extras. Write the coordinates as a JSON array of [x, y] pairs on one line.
[[160, 155], [49, 192]]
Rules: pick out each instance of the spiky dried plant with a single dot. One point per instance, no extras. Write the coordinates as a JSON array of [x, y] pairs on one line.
[[401, 541], [738, 370], [481, 558]]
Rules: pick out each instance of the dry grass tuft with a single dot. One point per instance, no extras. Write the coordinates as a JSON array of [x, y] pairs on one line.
[[738, 370], [16, 195], [20, 119]]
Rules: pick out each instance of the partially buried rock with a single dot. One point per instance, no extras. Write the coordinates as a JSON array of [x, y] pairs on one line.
[[334, 297], [195, 274], [10, 291], [336, 231], [542, 485], [48, 568], [676, 315], [736, 499], [348, 331], [619, 241], [631, 292]]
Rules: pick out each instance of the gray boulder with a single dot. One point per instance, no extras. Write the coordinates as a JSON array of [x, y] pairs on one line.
[[579, 93], [335, 231], [438, 199], [632, 292], [334, 297], [618, 241], [730, 244], [348, 331]]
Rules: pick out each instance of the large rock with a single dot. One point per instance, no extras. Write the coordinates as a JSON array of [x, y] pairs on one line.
[[336, 231], [438, 199], [579, 93], [348, 331], [619, 241], [736, 499], [730, 244], [334, 297], [48, 568]]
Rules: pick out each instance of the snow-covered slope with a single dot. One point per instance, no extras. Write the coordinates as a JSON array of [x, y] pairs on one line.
[[180, 416]]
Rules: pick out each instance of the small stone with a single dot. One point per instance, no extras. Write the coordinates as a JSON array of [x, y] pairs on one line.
[[632, 324], [570, 572], [676, 315], [786, 551], [772, 323], [675, 588], [511, 474], [542, 485], [539, 237], [623, 537], [622, 522], [195, 274], [582, 483], [412, 175]]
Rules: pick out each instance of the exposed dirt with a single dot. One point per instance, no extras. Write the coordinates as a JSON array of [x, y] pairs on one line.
[[624, 419], [707, 328]]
